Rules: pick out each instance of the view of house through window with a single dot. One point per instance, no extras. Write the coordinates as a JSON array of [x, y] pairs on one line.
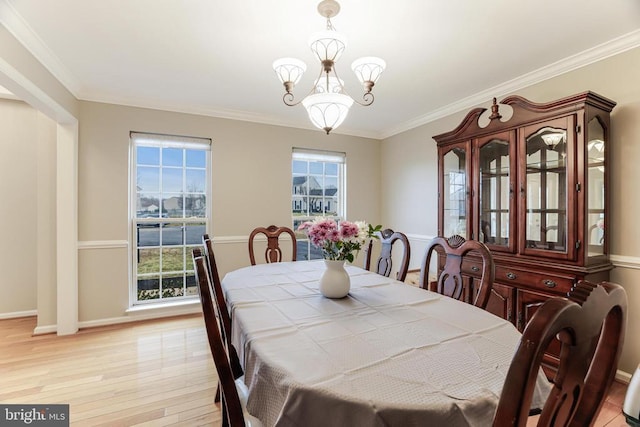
[[169, 213], [318, 182]]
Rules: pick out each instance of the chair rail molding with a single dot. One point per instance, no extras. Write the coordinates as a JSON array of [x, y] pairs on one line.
[[102, 244], [624, 261]]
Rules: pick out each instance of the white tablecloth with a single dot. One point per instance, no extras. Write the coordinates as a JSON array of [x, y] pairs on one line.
[[388, 354]]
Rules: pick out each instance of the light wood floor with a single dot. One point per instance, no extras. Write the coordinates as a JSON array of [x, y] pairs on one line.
[[154, 373]]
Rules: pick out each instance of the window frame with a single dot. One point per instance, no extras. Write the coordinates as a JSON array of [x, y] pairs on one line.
[[137, 139], [311, 155]]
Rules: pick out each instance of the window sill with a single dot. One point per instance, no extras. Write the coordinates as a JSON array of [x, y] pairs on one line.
[[166, 308]]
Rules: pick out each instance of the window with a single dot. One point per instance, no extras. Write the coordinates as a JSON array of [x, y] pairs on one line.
[[318, 183], [170, 211]]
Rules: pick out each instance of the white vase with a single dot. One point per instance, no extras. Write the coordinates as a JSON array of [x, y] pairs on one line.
[[335, 281]]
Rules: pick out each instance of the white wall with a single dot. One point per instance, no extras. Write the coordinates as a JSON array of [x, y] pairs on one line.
[[409, 175]]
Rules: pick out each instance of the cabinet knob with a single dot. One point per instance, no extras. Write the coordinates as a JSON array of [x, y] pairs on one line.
[[511, 276], [475, 268], [549, 283]]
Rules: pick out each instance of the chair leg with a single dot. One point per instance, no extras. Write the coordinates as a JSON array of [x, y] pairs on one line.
[[217, 398], [225, 417]]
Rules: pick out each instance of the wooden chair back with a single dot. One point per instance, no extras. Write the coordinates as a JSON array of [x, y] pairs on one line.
[[449, 281], [384, 264], [231, 405], [272, 253], [590, 325], [221, 308]]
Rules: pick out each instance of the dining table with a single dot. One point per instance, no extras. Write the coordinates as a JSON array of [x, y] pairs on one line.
[[387, 354]]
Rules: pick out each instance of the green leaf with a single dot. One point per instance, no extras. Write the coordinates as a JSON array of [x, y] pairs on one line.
[[372, 230]]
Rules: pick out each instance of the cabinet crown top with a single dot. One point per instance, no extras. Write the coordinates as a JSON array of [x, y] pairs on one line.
[[524, 111]]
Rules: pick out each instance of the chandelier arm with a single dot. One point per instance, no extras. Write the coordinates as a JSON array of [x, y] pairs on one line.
[[288, 98], [367, 97]]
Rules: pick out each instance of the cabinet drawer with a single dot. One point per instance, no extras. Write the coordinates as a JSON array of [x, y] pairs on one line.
[[472, 268], [542, 281]]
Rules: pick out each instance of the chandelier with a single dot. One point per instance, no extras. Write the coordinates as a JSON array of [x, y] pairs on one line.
[[328, 103]]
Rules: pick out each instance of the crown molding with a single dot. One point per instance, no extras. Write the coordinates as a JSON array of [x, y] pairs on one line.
[[22, 31], [597, 53]]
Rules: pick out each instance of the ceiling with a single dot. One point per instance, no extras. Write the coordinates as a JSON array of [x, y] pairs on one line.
[[214, 57]]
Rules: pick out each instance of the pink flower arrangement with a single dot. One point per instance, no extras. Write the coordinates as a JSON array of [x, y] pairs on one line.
[[338, 241]]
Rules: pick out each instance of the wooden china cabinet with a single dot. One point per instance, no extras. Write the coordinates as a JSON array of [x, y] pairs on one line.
[[533, 188]]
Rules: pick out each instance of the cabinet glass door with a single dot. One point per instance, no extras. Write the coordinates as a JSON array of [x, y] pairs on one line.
[[548, 222], [495, 190], [455, 192], [595, 190]]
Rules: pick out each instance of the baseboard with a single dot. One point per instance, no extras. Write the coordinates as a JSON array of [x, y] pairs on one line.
[[133, 315], [623, 377], [17, 314], [43, 330]]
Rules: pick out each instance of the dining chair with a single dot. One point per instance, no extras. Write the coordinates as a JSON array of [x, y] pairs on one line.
[[233, 391], [590, 325], [450, 281], [384, 263], [221, 310], [272, 253]]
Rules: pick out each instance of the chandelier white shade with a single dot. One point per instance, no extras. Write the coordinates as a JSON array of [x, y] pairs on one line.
[[289, 69], [328, 45], [327, 111], [327, 103], [368, 69]]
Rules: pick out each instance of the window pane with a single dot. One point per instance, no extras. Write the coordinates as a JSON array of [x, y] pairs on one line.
[[172, 206], [299, 205], [193, 233], [148, 155], [331, 206], [148, 234], [148, 179], [191, 284], [331, 185], [171, 180], [172, 285], [299, 185], [196, 158], [173, 259], [172, 157], [148, 287], [196, 180], [172, 234], [148, 260], [195, 206], [148, 205], [299, 166], [316, 168], [331, 169]]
